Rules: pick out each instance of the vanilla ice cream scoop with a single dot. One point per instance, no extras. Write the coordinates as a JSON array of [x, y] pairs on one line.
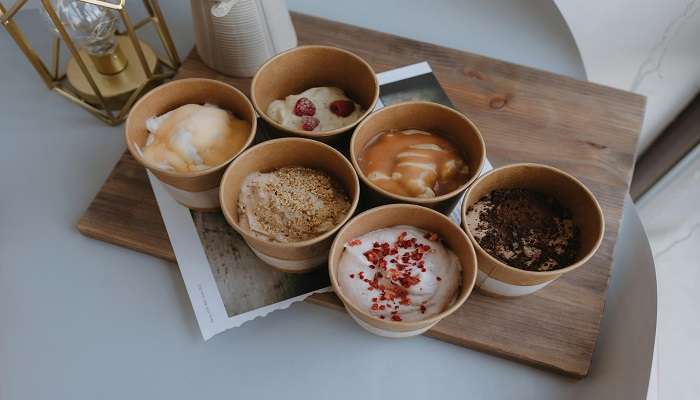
[[401, 273], [194, 137]]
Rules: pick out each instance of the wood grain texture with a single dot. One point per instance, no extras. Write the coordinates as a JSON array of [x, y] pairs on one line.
[[524, 114]]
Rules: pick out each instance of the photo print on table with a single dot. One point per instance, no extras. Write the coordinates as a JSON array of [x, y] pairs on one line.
[[423, 87], [227, 284], [244, 281]]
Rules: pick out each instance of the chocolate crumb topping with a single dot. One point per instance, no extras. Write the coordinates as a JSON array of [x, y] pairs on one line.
[[525, 229]]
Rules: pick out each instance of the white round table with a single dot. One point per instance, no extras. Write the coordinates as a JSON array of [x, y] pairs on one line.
[[81, 319]]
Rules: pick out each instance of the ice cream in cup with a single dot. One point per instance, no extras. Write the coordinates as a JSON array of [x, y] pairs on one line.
[[530, 224], [317, 92], [401, 268], [287, 198], [186, 132], [417, 152]]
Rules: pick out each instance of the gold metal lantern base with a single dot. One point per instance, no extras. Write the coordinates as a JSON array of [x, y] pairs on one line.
[[109, 85], [117, 87]]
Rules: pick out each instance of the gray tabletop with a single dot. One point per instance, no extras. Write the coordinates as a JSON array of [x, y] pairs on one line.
[[81, 319]]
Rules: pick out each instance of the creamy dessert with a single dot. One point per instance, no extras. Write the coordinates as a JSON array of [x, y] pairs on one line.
[[194, 137], [413, 163], [400, 273], [291, 204], [316, 109], [525, 229]]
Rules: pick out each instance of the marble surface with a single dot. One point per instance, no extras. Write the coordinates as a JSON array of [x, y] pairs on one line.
[[669, 213], [645, 46]]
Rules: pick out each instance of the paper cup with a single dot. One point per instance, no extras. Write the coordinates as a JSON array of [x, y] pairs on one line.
[[420, 217], [286, 152], [427, 116], [498, 278], [304, 67], [197, 190]]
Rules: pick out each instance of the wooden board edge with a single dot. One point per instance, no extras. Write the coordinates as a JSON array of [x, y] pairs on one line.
[[87, 231], [331, 301], [640, 99], [576, 373]]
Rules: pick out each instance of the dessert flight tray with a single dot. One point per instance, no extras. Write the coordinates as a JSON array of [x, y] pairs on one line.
[[525, 115]]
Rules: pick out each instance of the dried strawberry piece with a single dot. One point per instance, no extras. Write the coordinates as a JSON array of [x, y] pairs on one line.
[[431, 236], [408, 281], [309, 123], [371, 256], [393, 274], [342, 108], [355, 242], [304, 106], [422, 248], [396, 317]]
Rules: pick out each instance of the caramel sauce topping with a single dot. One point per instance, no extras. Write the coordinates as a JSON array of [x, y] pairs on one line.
[[194, 137], [413, 163]]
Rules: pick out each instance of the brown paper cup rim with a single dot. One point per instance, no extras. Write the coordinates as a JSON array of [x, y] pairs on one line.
[[233, 220], [459, 301], [418, 200], [553, 273], [300, 132], [136, 153]]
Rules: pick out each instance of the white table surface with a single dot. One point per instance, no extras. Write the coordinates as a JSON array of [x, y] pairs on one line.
[[82, 319]]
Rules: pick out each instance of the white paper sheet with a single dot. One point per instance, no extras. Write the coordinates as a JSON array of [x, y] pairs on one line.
[[200, 282]]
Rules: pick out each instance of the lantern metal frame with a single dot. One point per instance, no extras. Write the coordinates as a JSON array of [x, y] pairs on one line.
[[56, 80]]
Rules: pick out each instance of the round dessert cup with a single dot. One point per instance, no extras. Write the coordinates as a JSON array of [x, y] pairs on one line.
[[198, 190], [497, 278], [296, 257], [304, 67], [427, 116], [420, 217]]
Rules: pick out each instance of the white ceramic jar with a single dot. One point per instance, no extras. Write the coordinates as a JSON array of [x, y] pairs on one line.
[[235, 37]]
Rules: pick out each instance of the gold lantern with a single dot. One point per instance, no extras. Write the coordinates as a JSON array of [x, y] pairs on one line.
[[109, 68]]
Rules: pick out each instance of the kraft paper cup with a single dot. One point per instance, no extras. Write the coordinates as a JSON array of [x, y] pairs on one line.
[[304, 67], [427, 116], [301, 256], [497, 278], [198, 190], [420, 217]]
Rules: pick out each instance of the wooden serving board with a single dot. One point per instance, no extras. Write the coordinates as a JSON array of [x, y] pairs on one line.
[[524, 114]]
